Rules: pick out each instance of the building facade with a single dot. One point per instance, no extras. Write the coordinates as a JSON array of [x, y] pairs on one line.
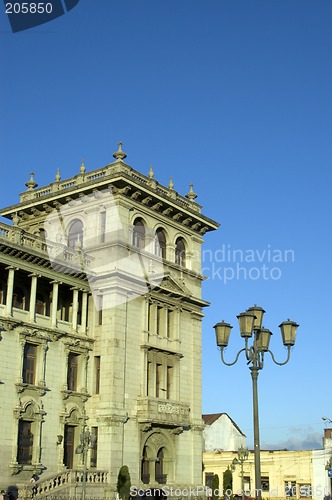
[[300, 474], [100, 313]]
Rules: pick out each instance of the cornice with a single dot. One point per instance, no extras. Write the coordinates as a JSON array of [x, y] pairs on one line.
[[122, 180]]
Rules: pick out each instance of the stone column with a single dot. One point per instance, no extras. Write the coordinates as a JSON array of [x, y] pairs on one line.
[[75, 308], [21, 361], [33, 293], [84, 311], [86, 365], [54, 307], [65, 368], [42, 381], [153, 319], [10, 289]]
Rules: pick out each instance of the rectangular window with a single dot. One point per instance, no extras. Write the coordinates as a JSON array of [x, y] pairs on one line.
[[169, 382], [94, 446], [265, 483], [69, 446], [100, 310], [148, 377], [150, 317], [246, 483], [169, 323], [97, 375], [290, 488], [159, 320], [29, 363], [158, 379], [25, 442], [209, 479], [72, 372], [305, 490]]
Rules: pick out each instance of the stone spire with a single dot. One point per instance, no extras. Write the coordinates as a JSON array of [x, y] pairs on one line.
[[191, 195], [31, 184], [119, 154]]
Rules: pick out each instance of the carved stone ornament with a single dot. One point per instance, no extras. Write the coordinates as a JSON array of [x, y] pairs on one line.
[[146, 427], [82, 396], [40, 389], [177, 431]]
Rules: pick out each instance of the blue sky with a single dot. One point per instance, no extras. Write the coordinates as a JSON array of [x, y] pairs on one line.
[[234, 96]]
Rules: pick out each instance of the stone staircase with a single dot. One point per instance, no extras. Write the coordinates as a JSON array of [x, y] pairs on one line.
[[69, 485]]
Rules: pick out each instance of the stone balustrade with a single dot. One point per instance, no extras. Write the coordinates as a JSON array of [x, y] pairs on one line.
[[55, 251], [98, 175], [64, 484]]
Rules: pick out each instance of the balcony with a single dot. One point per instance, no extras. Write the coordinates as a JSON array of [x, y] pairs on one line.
[[161, 411], [21, 244]]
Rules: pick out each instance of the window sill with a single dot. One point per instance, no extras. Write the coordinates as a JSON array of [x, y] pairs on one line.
[[83, 396], [40, 389], [16, 468]]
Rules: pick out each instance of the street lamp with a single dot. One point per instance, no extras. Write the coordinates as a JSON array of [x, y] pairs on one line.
[[327, 419], [250, 323], [87, 441], [243, 454]]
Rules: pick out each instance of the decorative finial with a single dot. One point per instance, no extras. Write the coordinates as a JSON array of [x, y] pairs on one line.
[[171, 183], [119, 154], [151, 173], [82, 168], [191, 195], [57, 175], [15, 219], [31, 184]]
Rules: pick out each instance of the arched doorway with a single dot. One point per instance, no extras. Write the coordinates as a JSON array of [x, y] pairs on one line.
[[158, 458]]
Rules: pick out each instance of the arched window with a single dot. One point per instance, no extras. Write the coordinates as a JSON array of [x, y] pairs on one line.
[[139, 234], [18, 298], [75, 234], [180, 252], [160, 476], [160, 243], [145, 471], [25, 442]]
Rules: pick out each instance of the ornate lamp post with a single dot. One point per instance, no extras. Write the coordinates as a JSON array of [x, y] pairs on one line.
[[243, 454], [250, 323], [87, 441]]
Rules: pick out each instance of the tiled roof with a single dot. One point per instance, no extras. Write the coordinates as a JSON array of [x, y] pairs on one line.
[[210, 418]]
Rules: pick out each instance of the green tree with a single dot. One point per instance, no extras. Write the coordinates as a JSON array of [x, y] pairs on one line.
[[215, 487], [124, 483], [228, 480]]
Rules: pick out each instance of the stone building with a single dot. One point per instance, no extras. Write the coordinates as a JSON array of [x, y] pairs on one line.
[[300, 474], [100, 352]]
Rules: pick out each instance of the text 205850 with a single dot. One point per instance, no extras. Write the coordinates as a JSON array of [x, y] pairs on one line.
[[28, 8]]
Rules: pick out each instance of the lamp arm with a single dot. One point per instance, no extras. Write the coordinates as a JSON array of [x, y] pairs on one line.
[[284, 362], [223, 360]]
